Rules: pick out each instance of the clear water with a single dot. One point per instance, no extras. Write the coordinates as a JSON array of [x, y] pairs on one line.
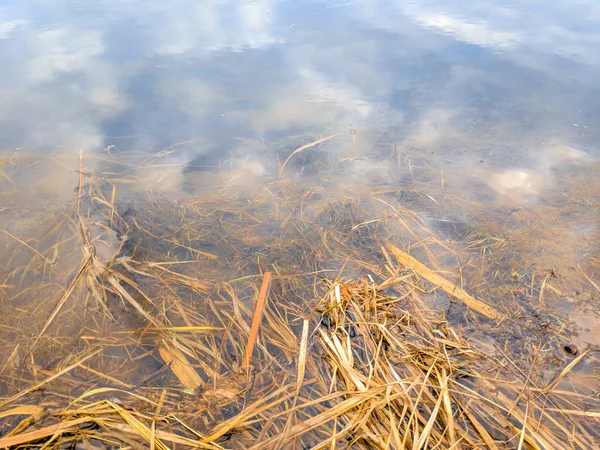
[[499, 100], [466, 132], [146, 75]]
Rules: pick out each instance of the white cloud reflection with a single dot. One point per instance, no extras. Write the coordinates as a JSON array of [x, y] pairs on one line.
[[63, 80], [56, 88], [533, 28], [62, 50], [7, 27], [473, 32], [205, 27]]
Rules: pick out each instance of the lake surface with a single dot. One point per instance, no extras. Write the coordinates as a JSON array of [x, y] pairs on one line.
[[492, 102], [516, 77], [501, 97], [496, 101], [489, 101], [158, 158]]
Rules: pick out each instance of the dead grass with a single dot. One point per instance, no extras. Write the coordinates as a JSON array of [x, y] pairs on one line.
[[129, 324]]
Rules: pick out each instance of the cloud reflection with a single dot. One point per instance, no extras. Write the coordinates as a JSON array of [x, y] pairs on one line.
[[166, 73]]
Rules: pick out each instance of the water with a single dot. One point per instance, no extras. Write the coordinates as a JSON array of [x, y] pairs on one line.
[[493, 101], [481, 116], [144, 75]]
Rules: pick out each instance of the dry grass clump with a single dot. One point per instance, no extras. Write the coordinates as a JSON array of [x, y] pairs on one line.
[[282, 316], [376, 371]]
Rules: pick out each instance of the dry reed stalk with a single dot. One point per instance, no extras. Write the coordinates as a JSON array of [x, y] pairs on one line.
[[80, 187], [45, 432], [450, 288], [47, 380], [304, 147], [22, 242], [379, 370], [179, 364], [141, 429], [23, 410], [258, 313], [302, 355], [84, 266], [566, 370]]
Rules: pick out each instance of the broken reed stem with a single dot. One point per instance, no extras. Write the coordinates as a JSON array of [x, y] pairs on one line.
[[22, 242], [51, 430], [565, 371], [302, 355], [47, 380], [62, 301], [384, 372], [304, 147], [80, 189], [451, 289], [179, 364], [258, 312]]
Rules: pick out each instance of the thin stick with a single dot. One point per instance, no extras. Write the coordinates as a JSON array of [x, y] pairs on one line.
[[62, 301], [302, 356], [304, 147], [50, 430], [565, 371], [48, 380], [258, 312], [589, 279], [106, 376], [112, 204], [80, 189], [524, 429], [543, 289], [20, 241]]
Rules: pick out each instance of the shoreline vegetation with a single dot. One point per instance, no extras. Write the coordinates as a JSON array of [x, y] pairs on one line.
[[277, 315]]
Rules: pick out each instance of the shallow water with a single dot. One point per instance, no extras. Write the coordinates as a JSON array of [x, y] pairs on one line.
[[144, 75], [501, 98], [497, 101], [481, 117]]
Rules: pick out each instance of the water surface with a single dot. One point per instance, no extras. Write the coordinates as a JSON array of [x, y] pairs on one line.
[[488, 101], [145, 75]]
